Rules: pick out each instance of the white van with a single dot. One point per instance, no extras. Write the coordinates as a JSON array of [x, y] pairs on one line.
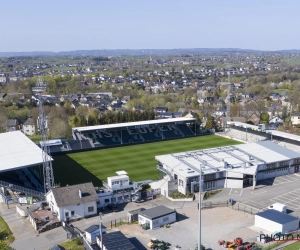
[[278, 207]]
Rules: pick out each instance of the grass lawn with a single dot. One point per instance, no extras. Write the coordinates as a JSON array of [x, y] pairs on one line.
[[74, 244], [5, 232], [137, 160], [294, 246], [35, 138], [281, 91]]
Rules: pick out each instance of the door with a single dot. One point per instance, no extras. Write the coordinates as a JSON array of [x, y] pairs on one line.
[[296, 169]]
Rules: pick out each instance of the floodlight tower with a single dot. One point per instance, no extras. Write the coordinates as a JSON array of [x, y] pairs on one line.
[[42, 124], [228, 96]]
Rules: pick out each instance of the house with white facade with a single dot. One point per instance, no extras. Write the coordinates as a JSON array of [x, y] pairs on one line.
[[295, 118], [73, 202], [29, 127]]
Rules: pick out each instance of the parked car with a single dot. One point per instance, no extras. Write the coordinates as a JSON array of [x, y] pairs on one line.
[[113, 207]]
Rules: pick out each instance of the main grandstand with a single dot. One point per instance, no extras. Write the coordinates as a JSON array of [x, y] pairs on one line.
[[135, 132], [19, 157]]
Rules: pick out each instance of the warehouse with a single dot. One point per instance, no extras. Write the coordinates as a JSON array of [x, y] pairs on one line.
[[274, 221], [235, 166], [157, 217]]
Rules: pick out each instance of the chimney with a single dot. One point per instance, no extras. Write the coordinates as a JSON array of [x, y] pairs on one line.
[[80, 193]]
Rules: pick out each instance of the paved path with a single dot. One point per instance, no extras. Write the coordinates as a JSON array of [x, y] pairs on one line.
[[27, 238]]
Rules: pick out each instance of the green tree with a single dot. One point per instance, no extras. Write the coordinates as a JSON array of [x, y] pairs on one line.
[[264, 117], [210, 122]]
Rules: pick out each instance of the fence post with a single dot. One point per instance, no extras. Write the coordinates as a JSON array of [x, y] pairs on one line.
[[115, 223], [111, 224]]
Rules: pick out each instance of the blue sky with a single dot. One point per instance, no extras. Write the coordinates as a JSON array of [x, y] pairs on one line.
[[155, 24]]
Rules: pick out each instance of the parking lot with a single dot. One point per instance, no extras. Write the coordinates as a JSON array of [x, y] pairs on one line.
[[283, 189], [217, 223]]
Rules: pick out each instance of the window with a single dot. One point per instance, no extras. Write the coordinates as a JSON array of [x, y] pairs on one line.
[[271, 165], [67, 214], [209, 177], [72, 213], [90, 209], [106, 200], [165, 219]]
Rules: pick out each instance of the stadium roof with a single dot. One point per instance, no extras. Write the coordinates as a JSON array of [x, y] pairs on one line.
[[18, 151], [243, 158], [132, 124], [273, 132], [284, 135]]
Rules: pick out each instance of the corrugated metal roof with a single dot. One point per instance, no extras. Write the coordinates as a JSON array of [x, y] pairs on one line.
[[278, 217]]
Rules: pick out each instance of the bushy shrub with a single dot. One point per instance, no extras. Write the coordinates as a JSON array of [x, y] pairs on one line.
[[178, 195]]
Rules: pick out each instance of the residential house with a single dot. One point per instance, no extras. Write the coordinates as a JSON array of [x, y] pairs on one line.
[[125, 99], [219, 103], [247, 95], [275, 96], [29, 127], [12, 125], [275, 119], [295, 118], [160, 109], [220, 112], [254, 118], [73, 202]]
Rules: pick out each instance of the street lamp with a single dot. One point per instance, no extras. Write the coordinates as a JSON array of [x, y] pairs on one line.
[[200, 205]]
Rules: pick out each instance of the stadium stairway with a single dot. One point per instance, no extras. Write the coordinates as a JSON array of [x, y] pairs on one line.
[[33, 179], [185, 129]]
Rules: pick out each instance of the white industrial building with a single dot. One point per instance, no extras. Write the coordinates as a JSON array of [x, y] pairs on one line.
[[235, 166], [157, 217], [274, 221]]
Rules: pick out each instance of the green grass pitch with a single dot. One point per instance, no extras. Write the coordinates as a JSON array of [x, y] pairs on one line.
[[137, 160]]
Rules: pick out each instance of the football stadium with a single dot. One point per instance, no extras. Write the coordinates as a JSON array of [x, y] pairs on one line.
[[97, 152]]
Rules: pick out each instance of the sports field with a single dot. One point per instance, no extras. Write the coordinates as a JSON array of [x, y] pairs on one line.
[[137, 160]]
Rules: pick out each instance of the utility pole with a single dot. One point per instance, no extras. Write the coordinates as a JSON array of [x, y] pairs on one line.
[[200, 205], [100, 227]]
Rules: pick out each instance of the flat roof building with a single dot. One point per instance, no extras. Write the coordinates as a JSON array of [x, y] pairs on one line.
[[235, 166], [275, 221]]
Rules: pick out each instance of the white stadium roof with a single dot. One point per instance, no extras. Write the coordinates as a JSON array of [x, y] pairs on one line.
[[131, 124], [18, 151]]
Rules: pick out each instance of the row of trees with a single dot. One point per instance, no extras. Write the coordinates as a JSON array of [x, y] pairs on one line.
[[92, 118]]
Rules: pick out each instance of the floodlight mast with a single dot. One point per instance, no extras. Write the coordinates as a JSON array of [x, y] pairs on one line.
[[228, 97], [42, 124]]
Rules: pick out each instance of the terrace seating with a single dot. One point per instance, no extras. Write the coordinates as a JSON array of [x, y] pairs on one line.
[[185, 129], [169, 133], [79, 144]]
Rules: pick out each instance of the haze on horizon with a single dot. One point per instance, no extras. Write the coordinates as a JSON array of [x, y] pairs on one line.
[[94, 25]]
